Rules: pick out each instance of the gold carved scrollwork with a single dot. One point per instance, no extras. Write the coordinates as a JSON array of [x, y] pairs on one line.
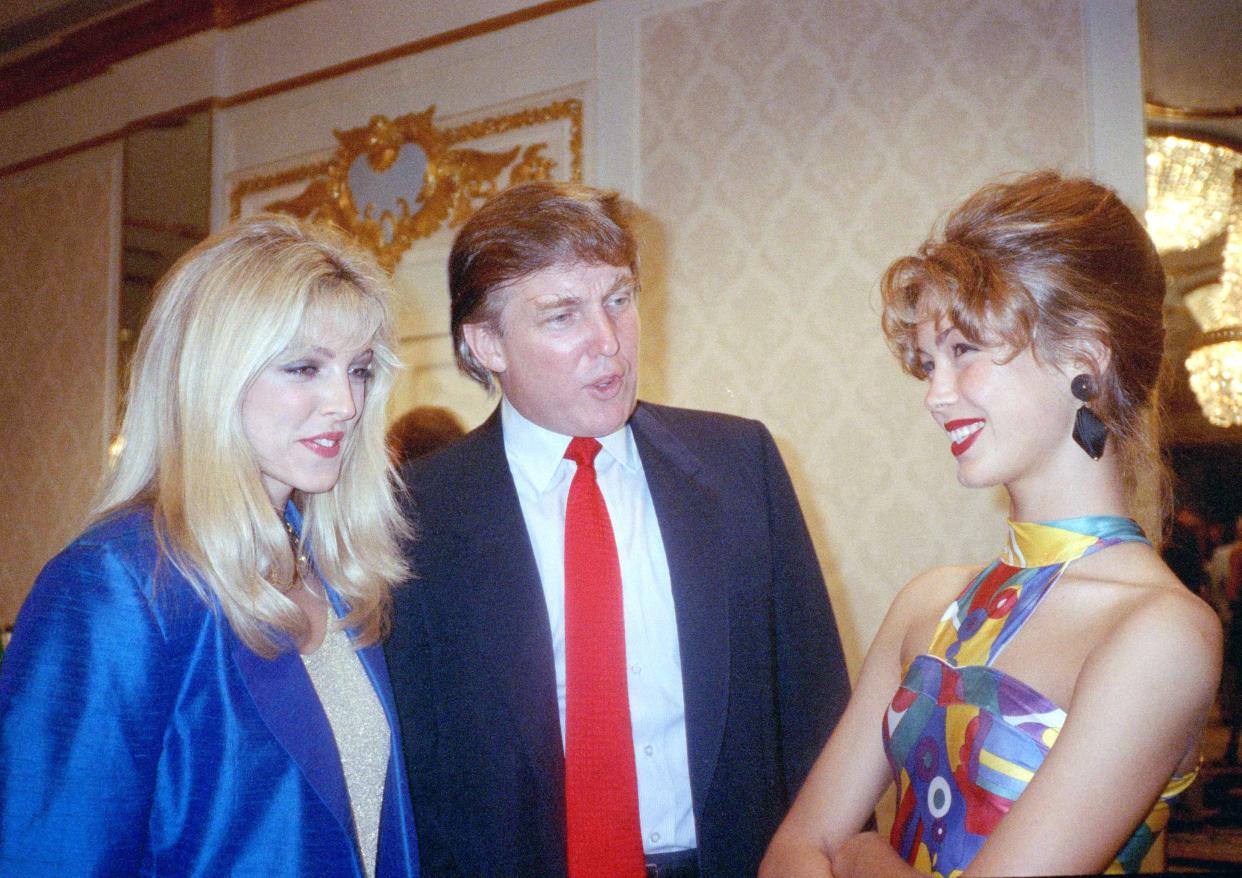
[[533, 166], [271, 181], [394, 181]]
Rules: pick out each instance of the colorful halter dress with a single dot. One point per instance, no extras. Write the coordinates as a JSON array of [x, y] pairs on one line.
[[964, 739]]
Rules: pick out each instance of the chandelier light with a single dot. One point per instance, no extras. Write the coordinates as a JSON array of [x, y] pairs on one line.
[[1189, 189], [1215, 363]]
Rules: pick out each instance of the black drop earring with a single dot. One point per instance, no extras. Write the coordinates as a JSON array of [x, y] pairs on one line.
[[1089, 431]]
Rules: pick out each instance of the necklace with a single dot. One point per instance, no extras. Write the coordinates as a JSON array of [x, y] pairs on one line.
[[300, 562]]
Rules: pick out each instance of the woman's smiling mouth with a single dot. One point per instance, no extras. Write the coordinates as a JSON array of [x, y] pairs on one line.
[[963, 434]]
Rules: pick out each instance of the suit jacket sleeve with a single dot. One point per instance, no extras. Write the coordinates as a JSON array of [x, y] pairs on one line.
[[83, 709], [812, 680]]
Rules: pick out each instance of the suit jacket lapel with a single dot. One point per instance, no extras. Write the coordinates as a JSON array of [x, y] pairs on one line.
[[688, 508], [496, 566]]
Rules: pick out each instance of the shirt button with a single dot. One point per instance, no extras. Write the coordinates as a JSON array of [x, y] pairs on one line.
[[635, 669], [655, 838], [649, 749]]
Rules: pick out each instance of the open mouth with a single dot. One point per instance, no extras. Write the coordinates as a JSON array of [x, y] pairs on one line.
[[325, 445], [963, 433], [607, 387]]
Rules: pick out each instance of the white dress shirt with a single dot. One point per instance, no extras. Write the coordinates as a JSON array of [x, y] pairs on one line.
[[653, 657]]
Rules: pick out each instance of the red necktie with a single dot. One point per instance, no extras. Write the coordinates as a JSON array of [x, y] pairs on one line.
[[601, 789]]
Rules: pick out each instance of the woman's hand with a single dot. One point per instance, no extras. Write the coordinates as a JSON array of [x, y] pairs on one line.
[[867, 853]]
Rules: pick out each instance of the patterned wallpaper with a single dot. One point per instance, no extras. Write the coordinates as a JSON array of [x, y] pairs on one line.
[[54, 319], [790, 150]]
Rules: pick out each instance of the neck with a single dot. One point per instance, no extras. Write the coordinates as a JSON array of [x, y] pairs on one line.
[[1086, 487]]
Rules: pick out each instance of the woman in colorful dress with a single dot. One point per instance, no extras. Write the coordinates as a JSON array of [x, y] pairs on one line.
[[1037, 714], [195, 685]]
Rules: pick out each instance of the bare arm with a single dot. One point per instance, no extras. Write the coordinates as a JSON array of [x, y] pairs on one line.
[[1138, 704], [852, 771]]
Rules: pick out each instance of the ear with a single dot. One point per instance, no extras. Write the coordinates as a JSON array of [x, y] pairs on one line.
[[1091, 355], [485, 343]]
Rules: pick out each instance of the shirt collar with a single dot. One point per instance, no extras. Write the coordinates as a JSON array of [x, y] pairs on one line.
[[535, 452]]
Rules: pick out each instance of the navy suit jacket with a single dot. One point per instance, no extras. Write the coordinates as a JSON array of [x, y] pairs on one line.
[[471, 652], [140, 736]]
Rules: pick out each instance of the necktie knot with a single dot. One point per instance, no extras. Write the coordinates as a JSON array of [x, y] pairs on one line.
[[582, 451]]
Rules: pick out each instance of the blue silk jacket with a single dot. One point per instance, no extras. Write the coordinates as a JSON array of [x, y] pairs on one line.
[[140, 736]]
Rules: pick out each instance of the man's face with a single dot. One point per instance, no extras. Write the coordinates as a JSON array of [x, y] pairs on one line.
[[566, 350]]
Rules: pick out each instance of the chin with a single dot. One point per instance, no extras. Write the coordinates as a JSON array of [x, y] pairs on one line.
[[318, 486], [603, 423], [967, 477], [604, 428]]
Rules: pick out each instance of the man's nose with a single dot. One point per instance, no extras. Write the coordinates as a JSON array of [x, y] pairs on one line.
[[605, 334]]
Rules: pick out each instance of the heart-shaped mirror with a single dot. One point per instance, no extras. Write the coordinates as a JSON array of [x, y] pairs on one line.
[[375, 194]]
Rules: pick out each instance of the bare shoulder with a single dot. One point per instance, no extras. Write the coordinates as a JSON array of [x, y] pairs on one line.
[[1168, 613], [1159, 620], [937, 587]]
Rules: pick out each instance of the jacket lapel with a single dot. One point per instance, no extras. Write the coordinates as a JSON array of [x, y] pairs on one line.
[[688, 508], [505, 600], [291, 709], [286, 699]]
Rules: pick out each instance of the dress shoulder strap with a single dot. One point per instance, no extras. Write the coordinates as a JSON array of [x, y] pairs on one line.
[[996, 604]]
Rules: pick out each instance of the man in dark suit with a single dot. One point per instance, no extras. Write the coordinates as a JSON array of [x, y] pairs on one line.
[[699, 621]]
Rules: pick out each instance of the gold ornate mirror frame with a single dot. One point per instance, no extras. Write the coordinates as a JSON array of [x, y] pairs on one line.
[[437, 182]]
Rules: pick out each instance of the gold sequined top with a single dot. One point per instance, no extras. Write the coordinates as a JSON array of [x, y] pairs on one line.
[[361, 732]]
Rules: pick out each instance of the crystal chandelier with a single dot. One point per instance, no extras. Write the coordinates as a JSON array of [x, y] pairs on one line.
[[1189, 186], [1215, 363]]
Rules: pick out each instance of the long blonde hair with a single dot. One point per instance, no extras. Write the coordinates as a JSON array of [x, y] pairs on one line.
[[221, 315]]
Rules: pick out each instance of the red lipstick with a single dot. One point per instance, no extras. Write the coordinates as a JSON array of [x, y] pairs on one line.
[[963, 432]]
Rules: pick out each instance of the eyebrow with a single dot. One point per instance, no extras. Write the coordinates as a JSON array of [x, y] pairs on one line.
[[554, 302], [943, 334], [327, 353]]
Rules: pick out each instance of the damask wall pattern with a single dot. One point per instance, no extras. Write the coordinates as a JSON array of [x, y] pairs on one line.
[[54, 375], [790, 150]]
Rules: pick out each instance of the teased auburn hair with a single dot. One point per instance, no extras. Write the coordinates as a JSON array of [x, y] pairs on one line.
[[224, 312], [1053, 263], [526, 229]]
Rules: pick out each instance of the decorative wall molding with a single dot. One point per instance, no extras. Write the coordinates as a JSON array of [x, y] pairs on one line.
[[178, 230], [45, 80], [90, 50], [393, 181], [415, 47], [156, 120]]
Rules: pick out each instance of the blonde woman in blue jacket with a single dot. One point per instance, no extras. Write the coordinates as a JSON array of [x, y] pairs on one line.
[[194, 685]]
